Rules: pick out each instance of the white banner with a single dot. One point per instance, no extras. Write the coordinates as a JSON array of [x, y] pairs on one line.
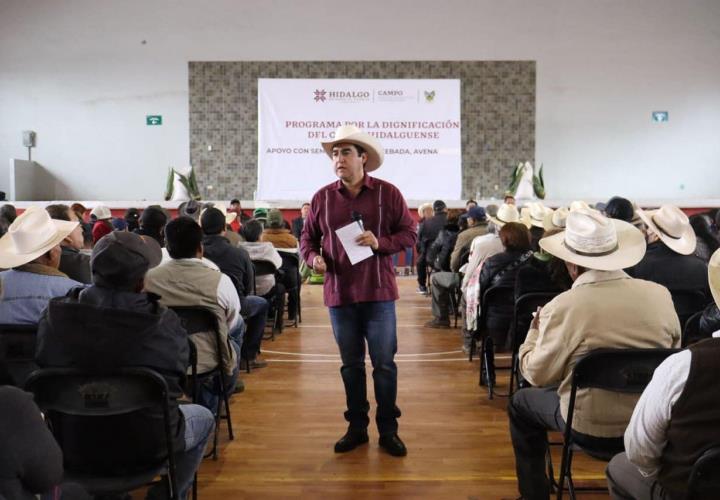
[[416, 121]]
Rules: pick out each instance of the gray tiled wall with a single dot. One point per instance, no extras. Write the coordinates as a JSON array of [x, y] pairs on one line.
[[498, 116]]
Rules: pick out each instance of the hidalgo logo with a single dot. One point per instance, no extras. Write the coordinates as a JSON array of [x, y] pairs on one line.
[[430, 96], [320, 95]]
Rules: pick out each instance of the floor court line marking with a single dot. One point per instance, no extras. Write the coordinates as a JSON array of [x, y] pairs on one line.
[[338, 360], [336, 355]]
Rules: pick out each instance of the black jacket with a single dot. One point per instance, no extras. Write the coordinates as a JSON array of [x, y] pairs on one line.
[[438, 255], [233, 261], [501, 270], [99, 328], [672, 270], [709, 322], [297, 227], [428, 231]]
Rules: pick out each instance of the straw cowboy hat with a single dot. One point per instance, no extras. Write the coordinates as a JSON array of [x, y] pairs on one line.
[[672, 226], [31, 235], [556, 219], [579, 204], [353, 135], [508, 213], [714, 276], [101, 212], [593, 241], [535, 212]]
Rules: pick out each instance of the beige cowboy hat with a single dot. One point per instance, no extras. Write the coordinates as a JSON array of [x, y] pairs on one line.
[[508, 213], [31, 235], [535, 212], [101, 212], [580, 204], [672, 227], [229, 216], [556, 219], [353, 135], [593, 241], [714, 276]]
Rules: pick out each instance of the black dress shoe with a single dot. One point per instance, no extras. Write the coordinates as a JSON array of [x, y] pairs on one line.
[[393, 445], [351, 440]]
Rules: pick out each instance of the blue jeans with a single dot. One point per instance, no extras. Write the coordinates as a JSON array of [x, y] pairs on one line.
[[199, 424], [254, 311], [375, 323]]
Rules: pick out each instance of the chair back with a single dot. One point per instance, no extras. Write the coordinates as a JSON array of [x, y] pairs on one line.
[[688, 302], [704, 479], [500, 301], [197, 320], [525, 306], [263, 267], [17, 353], [691, 329], [101, 420]]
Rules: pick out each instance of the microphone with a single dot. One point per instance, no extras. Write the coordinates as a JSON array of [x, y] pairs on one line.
[[357, 217]]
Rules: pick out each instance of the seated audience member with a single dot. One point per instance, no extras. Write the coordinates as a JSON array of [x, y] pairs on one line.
[[444, 281], [113, 324], [477, 226], [260, 251], [119, 224], [7, 215], [235, 262], [260, 215], [438, 256], [191, 208], [276, 234], [604, 308], [30, 459], [425, 212], [185, 281], [103, 224], [152, 223], [501, 270], [708, 240], [428, 230], [482, 248], [669, 258], [73, 262], [132, 219], [30, 251], [620, 209], [299, 222], [674, 421], [535, 213], [230, 217]]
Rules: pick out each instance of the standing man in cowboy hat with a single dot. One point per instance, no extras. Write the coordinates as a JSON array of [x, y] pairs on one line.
[[604, 308], [670, 258], [361, 297], [30, 251]]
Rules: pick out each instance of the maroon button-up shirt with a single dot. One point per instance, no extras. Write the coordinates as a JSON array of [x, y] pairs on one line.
[[385, 213]]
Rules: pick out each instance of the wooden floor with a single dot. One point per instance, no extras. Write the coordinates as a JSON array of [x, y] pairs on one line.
[[290, 415]]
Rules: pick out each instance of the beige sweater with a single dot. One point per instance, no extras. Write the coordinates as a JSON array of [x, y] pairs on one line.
[[602, 309]]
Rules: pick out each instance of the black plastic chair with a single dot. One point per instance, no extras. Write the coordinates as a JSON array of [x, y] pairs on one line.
[[265, 268], [86, 412], [691, 329], [704, 479], [197, 320], [291, 266], [688, 302], [17, 353], [525, 306], [626, 371], [493, 297], [455, 301]]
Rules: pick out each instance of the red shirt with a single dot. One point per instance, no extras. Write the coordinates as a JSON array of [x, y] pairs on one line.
[[385, 213]]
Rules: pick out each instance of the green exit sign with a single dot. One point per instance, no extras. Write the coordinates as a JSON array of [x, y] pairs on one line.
[[153, 120]]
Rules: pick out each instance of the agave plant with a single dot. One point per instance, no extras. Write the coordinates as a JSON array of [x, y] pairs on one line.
[[188, 181]]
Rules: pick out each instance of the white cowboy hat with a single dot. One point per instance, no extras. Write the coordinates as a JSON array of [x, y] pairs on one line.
[[556, 219], [101, 212], [672, 227], [229, 216], [508, 213], [31, 235], [579, 204], [535, 212], [714, 276], [593, 241], [353, 135]]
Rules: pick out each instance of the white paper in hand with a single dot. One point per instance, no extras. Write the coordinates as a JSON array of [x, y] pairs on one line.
[[355, 252]]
